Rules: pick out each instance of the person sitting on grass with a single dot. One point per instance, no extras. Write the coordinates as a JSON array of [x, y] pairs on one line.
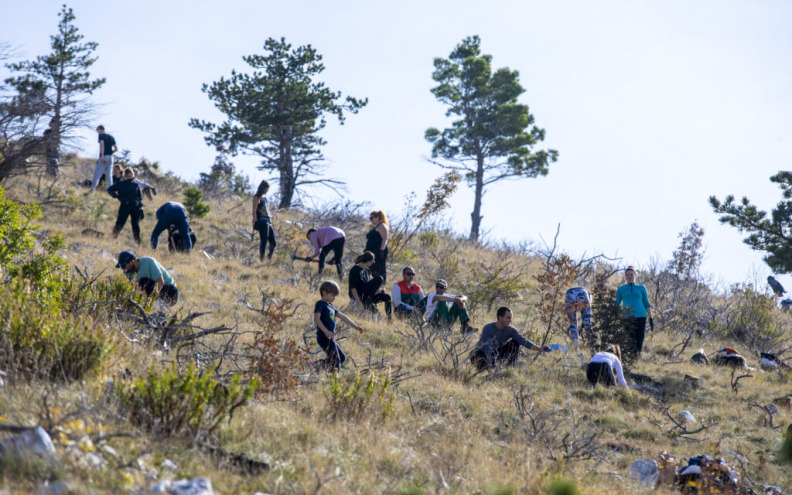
[[365, 289], [500, 343], [148, 273], [325, 315], [406, 295], [604, 365], [443, 310]]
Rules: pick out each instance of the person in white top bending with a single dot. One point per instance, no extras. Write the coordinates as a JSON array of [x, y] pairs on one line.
[[604, 365]]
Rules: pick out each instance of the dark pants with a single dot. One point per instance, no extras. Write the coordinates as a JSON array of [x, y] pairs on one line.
[[370, 298], [379, 268], [600, 373], [636, 327], [179, 220], [168, 293], [131, 211], [335, 356], [337, 247], [267, 235], [507, 353], [175, 241]]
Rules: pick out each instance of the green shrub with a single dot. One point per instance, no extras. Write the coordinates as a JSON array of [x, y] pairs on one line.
[[102, 297], [563, 486], [167, 403], [359, 397], [16, 229], [38, 342], [786, 445], [192, 201]]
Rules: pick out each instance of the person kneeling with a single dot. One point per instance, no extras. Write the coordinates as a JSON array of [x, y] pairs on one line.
[[148, 274], [364, 289], [604, 365], [500, 343], [439, 313]]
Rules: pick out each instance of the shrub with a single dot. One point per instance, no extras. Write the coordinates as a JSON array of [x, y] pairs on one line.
[[359, 397], [192, 201], [607, 320], [16, 229], [169, 404], [38, 342]]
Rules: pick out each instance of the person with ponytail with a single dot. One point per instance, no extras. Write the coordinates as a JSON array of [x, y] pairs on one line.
[[377, 243], [606, 368], [364, 288], [262, 221]]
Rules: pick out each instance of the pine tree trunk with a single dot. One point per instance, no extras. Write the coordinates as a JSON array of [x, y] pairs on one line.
[[478, 192], [287, 182]]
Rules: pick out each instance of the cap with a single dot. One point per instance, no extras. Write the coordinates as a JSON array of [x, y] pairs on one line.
[[124, 258], [442, 282]]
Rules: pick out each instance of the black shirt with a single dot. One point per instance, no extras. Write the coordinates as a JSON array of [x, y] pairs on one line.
[[358, 278], [109, 142]]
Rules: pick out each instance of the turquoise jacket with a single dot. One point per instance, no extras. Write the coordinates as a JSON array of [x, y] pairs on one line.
[[634, 299]]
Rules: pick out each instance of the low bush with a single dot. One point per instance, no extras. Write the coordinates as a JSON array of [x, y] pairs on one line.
[[359, 397], [168, 404]]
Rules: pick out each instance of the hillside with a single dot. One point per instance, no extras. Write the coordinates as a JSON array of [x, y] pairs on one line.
[[421, 421]]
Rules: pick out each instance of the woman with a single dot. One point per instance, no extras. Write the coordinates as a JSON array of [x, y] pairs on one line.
[[634, 301], [377, 243], [128, 194], [262, 221], [365, 289], [604, 365]]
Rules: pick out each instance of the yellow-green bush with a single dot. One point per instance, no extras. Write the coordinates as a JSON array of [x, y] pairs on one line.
[[359, 397]]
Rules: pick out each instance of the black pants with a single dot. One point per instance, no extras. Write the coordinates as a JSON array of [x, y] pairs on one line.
[[370, 298], [507, 353], [267, 235], [600, 373], [335, 356], [131, 211], [378, 268], [168, 293], [636, 327], [337, 247]]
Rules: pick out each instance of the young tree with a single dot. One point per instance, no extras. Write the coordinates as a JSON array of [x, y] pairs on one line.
[[60, 82], [686, 260], [277, 113], [494, 135], [770, 234]]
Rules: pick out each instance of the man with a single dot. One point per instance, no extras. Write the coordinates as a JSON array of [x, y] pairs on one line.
[[500, 343], [325, 240], [444, 309], [406, 295], [172, 213], [104, 165], [149, 273]]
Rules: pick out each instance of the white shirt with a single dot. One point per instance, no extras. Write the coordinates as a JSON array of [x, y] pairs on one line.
[[431, 304], [613, 361]]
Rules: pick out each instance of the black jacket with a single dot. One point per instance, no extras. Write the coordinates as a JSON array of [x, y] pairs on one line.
[[126, 191]]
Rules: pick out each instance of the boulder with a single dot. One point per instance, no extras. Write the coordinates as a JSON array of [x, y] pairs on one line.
[[35, 441], [686, 417], [768, 365], [197, 486], [700, 357], [692, 380]]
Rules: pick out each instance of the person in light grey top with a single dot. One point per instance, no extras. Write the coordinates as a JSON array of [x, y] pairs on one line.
[[500, 343]]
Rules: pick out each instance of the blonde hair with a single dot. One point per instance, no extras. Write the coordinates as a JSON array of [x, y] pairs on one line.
[[615, 350], [381, 215]]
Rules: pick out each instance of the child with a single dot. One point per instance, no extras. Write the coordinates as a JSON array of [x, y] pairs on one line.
[[325, 319]]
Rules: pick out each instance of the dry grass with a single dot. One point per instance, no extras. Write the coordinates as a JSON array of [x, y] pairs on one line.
[[456, 432]]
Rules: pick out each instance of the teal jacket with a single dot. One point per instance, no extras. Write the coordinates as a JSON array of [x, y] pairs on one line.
[[634, 299]]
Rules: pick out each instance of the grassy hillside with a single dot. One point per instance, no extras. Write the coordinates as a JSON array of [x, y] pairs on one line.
[[436, 426]]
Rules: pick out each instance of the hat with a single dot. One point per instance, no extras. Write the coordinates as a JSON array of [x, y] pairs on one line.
[[442, 282], [124, 258]]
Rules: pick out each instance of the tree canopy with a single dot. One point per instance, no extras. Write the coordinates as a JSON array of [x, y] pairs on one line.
[[771, 234], [277, 112], [493, 136]]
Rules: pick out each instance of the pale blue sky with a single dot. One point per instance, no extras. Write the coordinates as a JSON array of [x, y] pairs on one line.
[[653, 106]]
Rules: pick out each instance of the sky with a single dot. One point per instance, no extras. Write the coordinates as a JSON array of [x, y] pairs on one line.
[[652, 106]]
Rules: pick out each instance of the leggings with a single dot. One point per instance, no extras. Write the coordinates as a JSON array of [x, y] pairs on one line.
[[600, 373], [636, 327], [370, 298], [337, 246], [379, 268], [267, 234], [131, 211]]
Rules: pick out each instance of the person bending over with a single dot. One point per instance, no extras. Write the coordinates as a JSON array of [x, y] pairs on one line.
[[500, 343], [148, 274], [443, 310], [364, 288], [325, 240], [578, 299], [172, 213], [604, 365]]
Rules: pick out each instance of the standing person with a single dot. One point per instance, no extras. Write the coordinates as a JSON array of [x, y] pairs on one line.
[[500, 343], [406, 295], [445, 309], [262, 221], [377, 243], [172, 213], [128, 193], [634, 301], [578, 299], [365, 289], [104, 165], [325, 240], [148, 274], [325, 318], [604, 365]]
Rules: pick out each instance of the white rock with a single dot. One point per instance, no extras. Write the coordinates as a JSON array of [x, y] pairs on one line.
[[169, 464], [686, 417], [766, 364], [57, 488], [35, 441], [197, 486], [110, 451]]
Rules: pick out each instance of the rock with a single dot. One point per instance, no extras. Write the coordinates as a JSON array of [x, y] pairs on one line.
[[57, 488], [686, 417], [197, 486], [700, 357], [92, 233], [692, 380], [222, 277], [766, 364], [210, 249], [288, 281], [35, 441], [784, 402], [110, 451], [170, 465], [771, 408], [104, 253], [645, 472]]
